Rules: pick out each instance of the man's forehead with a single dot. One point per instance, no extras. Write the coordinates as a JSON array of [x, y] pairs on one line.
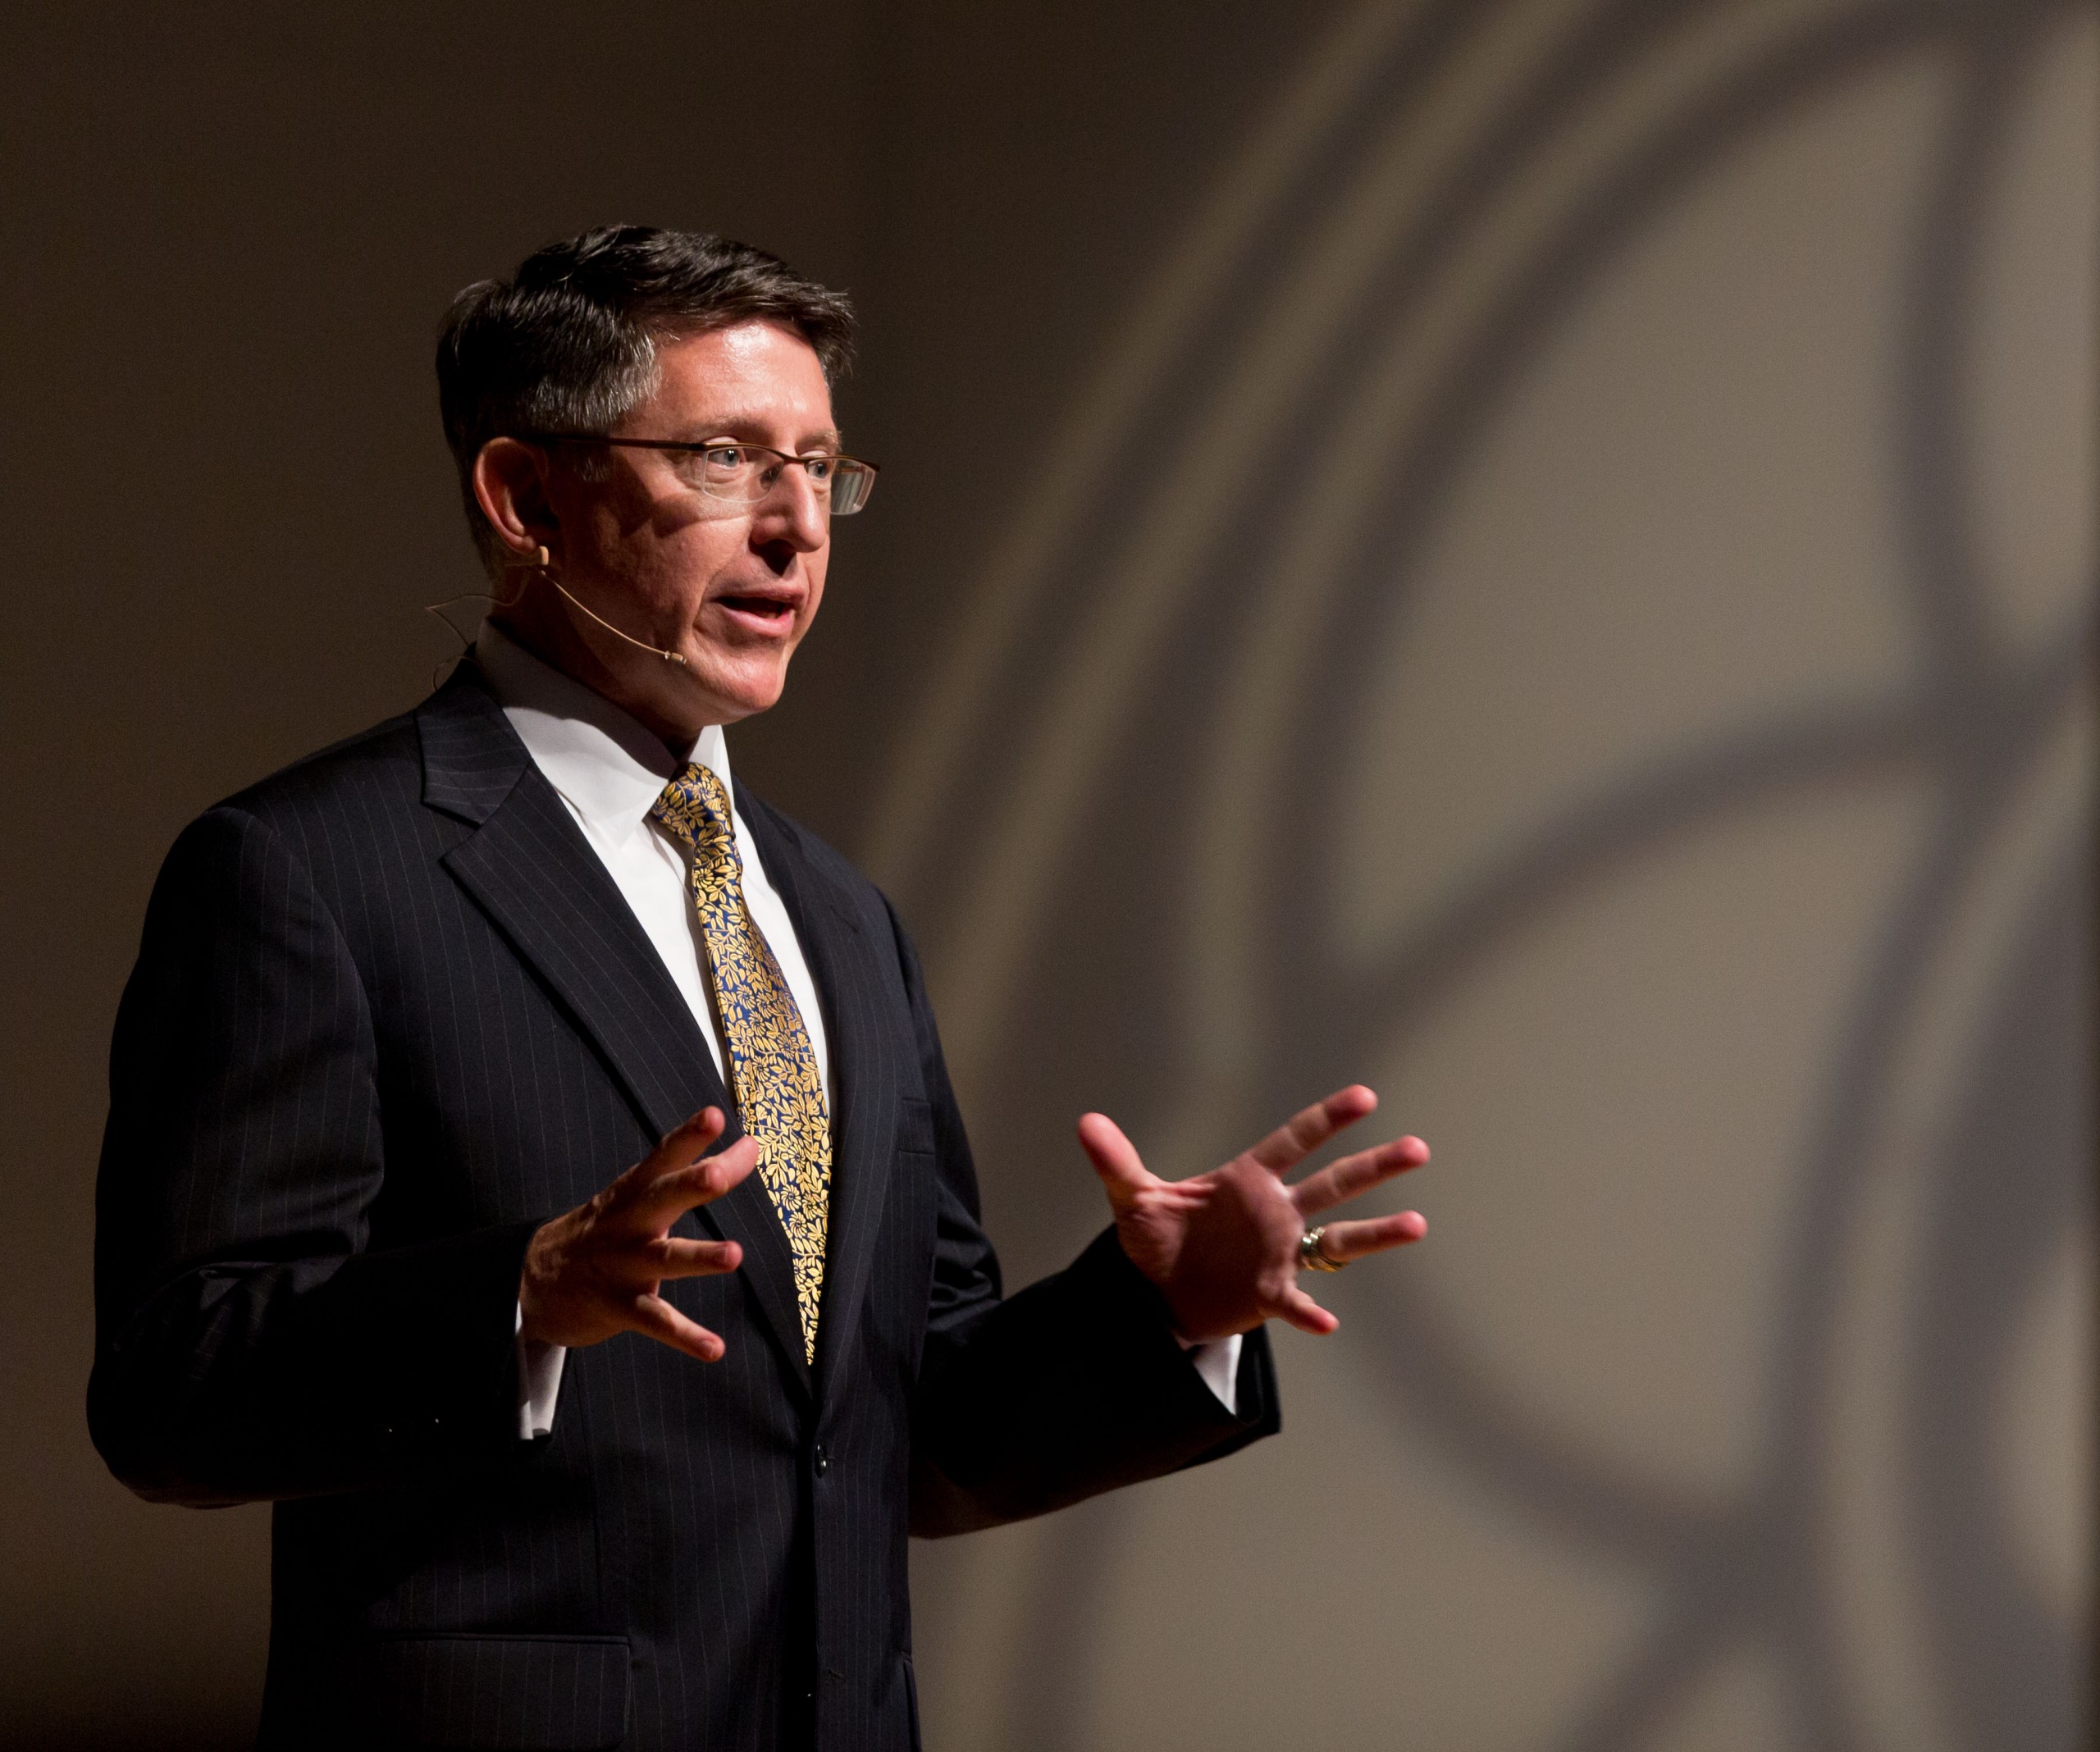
[[754, 352], [746, 376]]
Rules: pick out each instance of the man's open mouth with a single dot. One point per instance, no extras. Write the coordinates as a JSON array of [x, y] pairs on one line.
[[769, 610]]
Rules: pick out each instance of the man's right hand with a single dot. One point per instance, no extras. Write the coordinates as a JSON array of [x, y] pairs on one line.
[[595, 1271]]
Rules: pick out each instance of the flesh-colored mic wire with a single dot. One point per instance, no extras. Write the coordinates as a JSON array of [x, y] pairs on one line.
[[435, 610], [539, 563]]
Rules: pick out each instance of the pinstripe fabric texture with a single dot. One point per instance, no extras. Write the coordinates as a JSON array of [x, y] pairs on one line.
[[391, 1013]]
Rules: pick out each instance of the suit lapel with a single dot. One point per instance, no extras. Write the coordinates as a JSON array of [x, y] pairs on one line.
[[528, 866], [864, 1076]]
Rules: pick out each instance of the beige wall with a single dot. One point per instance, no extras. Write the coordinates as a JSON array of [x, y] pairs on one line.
[[1538, 555]]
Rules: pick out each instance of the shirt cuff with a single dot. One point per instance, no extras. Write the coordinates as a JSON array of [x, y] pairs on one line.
[[1218, 1363], [539, 1382]]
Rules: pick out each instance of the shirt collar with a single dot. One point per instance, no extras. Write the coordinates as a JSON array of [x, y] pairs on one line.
[[607, 767]]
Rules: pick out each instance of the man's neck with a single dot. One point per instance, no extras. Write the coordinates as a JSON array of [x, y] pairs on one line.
[[555, 640]]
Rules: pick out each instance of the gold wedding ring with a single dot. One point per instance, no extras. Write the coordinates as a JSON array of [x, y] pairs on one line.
[[1311, 1256]]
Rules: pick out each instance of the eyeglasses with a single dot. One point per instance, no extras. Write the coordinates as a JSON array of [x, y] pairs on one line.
[[744, 474]]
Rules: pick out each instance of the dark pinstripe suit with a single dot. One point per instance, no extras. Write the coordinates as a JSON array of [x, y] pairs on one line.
[[391, 1013]]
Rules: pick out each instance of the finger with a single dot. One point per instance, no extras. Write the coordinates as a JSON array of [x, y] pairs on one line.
[[1306, 1314], [683, 1144], [1114, 1156], [688, 1141], [672, 1257], [1355, 1173], [696, 1183], [1343, 1242], [655, 1318], [1307, 1130]]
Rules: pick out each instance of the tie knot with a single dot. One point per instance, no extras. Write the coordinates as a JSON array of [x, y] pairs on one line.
[[695, 808]]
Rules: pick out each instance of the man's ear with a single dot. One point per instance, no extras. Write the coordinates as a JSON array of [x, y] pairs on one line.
[[510, 486]]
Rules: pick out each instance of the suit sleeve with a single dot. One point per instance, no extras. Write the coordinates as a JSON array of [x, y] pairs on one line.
[[249, 1344], [1070, 1387]]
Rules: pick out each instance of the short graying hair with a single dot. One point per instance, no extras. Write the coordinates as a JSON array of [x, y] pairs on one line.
[[568, 343]]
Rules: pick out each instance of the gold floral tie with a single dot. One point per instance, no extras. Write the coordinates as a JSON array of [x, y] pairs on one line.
[[771, 1063]]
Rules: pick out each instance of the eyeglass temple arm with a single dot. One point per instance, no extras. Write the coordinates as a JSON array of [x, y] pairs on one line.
[[692, 446]]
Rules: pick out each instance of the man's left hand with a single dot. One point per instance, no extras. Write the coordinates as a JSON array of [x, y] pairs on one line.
[[1223, 1246]]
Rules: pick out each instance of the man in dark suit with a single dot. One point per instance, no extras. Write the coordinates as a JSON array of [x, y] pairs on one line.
[[513, 1027]]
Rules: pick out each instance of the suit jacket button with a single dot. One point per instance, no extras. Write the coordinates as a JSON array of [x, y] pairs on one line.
[[822, 1461]]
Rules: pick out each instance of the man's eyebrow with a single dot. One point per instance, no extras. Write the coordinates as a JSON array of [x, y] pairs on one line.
[[749, 425]]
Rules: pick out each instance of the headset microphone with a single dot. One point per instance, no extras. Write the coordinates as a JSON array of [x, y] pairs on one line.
[[538, 563]]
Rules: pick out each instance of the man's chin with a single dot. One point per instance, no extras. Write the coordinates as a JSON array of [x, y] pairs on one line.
[[742, 690]]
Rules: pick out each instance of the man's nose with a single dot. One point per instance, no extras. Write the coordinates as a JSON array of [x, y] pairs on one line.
[[793, 513]]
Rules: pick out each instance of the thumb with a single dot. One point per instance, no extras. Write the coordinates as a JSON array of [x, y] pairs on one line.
[[1114, 1156]]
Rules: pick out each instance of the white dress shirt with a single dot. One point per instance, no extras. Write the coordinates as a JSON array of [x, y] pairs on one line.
[[610, 771]]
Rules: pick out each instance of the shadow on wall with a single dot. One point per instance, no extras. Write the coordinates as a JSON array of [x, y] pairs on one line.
[[1601, 502]]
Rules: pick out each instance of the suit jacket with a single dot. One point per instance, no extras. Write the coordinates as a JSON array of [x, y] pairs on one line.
[[389, 1015]]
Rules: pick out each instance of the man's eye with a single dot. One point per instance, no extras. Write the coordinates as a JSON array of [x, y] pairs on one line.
[[819, 467], [725, 456]]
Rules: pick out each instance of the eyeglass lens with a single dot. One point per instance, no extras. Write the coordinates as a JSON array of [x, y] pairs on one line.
[[744, 474]]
